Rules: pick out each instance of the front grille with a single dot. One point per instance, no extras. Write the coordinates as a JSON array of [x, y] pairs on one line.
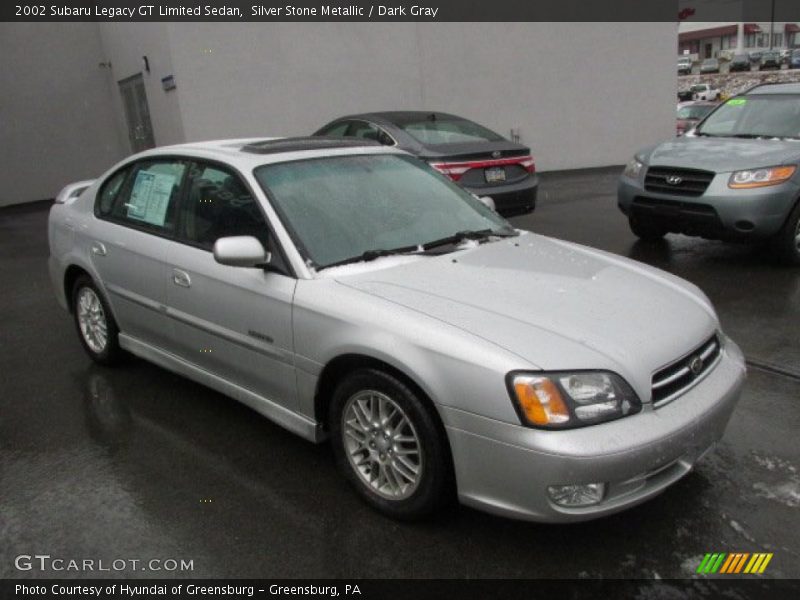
[[675, 378], [687, 182]]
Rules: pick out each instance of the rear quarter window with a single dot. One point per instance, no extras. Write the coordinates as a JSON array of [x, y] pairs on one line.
[[108, 193]]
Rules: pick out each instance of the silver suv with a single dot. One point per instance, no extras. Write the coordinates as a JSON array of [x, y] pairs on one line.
[[350, 291], [734, 177]]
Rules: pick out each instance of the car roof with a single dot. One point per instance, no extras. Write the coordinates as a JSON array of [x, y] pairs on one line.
[[403, 117], [252, 152], [774, 88]]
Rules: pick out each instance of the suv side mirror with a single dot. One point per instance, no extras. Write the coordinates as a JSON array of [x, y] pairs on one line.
[[487, 202], [241, 251]]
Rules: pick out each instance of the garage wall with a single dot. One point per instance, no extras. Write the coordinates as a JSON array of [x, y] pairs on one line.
[[582, 94], [56, 118], [125, 45]]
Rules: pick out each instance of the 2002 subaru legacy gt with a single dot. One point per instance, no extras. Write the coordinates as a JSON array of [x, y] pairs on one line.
[[351, 291]]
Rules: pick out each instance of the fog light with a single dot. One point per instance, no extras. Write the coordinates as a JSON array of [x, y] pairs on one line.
[[577, 494]]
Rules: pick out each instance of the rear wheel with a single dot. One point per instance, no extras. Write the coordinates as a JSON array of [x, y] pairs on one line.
[[787, 242], [646, 230], [388, 445], [96, 327]]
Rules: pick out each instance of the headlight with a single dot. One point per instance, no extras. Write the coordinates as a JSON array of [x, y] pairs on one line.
[[760, 177], [565, 400], [633, 168]]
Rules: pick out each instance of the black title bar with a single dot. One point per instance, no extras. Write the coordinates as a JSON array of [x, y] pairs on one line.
[[401, 10]]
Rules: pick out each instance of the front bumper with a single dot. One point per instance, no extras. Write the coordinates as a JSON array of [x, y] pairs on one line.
[[512, 199], [720, 213], [505, 469]]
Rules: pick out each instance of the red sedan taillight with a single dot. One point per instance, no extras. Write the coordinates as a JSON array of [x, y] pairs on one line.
[[455, 170]]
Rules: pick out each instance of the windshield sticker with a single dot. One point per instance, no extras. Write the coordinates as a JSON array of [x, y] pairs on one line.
[[150, 197], [737, 101]]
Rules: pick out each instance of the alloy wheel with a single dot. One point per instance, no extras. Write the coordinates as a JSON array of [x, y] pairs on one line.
[[382, 445], [92, 320]]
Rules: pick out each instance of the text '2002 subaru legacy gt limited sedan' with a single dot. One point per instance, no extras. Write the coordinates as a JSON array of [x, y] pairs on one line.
[[350, 291]]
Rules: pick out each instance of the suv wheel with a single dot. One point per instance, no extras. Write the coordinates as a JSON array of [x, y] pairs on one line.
[[96, 327], [787, 242], [388, 445], [645, 230]]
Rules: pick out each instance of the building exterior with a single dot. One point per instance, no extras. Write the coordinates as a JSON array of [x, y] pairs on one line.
[[712, 40], [80, 96]]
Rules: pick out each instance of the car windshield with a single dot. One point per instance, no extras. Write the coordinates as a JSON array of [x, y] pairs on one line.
[[764, 115], [448, 131], [357, 207], [697, 111]]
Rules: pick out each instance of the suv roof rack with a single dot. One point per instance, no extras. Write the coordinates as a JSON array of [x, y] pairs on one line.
[[296, 144], [767, 84]]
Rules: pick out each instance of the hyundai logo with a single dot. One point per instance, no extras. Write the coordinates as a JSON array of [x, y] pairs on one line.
[[696, 366], [674, 180], [497, 154]]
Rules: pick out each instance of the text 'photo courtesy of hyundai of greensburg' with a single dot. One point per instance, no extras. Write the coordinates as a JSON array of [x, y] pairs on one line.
[[351, 292]]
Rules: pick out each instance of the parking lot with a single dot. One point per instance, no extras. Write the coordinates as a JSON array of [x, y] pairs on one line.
[[139, 463]]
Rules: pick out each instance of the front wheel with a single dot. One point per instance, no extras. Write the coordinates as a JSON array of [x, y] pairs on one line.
[[645, 230], [787, 242], [389, 446]]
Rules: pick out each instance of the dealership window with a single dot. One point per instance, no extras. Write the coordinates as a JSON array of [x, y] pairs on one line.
[[777, 40], [728, 42]]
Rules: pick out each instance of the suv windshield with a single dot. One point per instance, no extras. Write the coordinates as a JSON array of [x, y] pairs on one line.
[[762, 115], [448, 131], [358, 207]]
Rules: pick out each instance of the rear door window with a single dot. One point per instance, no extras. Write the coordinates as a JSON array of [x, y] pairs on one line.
[[149, 196]]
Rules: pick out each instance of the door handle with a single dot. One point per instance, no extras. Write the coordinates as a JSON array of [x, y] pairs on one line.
[[181, 278], [98, 249]]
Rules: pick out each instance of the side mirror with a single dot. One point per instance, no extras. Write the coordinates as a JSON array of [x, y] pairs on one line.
[[487, 202], [241, 251]]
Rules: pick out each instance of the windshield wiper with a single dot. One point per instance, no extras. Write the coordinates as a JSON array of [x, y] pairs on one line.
[[370, 255], [456, 238], [462, 236]]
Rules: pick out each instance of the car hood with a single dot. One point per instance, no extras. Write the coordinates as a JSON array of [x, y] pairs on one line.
[[554, 304], [723, 155]]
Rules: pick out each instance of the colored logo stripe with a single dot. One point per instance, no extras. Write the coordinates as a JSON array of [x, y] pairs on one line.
[[733, 563]]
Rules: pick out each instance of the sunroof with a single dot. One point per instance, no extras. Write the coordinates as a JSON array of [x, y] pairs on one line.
[[297, 144]]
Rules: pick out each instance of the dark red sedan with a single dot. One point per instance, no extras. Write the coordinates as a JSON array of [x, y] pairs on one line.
[[691, 113]]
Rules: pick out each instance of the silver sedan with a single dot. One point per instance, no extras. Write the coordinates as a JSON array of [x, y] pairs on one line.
[[350, 292]]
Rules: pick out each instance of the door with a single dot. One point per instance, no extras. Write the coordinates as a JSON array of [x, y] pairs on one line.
[[234, 322], [136, 209], [708, 51], [137, 113]]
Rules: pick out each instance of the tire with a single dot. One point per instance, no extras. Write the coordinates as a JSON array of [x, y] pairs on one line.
[[378, 462], [645, 230], [97, 329], [787, 242]]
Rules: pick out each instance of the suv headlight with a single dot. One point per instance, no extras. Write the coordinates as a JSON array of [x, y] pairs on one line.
[[569, 399], [633, 168], [760, 177]]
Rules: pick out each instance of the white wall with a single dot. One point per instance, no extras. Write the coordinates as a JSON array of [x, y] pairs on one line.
[[583, 94], [56, 118], [125, 44]]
